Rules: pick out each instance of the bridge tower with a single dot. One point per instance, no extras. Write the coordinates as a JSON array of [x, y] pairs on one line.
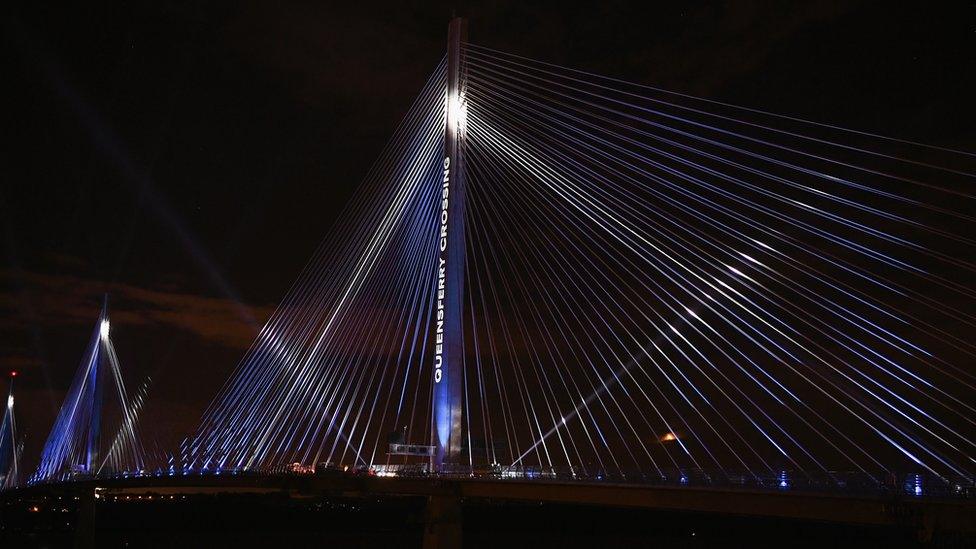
[[74, 446], [9, 467], [449, 327], [97, 383]]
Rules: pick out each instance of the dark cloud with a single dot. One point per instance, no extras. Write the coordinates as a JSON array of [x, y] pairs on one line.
[[18, 363], [66, 300]]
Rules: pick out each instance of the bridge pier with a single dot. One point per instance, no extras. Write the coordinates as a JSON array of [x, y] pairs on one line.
[[442, 522], [85, 520]]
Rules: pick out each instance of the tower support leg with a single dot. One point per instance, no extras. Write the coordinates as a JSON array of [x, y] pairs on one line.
[[442, 523], [85, 520]]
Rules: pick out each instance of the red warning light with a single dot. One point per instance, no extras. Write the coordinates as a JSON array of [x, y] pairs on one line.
[[13, 373]]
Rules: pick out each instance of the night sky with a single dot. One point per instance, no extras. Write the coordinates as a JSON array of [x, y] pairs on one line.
[[187, 157]]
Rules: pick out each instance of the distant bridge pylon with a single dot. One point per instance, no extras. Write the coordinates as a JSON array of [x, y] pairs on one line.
[[10, 447], [74, 446]]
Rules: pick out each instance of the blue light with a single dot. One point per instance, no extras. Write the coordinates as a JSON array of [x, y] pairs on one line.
[[667, 225]]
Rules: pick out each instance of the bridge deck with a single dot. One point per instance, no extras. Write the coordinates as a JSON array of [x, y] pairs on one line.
[[923, 514]]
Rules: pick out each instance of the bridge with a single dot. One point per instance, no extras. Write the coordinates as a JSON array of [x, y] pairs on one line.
[[559, 286]]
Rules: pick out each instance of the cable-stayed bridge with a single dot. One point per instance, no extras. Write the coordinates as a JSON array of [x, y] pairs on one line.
[[553, 282], [553, 271]]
